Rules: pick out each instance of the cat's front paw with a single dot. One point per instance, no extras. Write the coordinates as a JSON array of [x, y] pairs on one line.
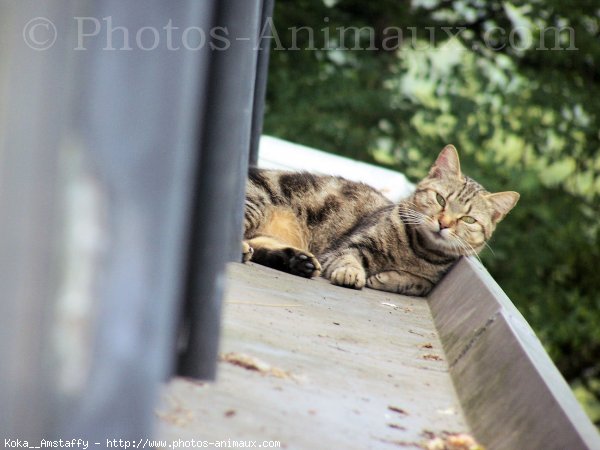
[[399, 282], [304, 265], [247, 252], [349, 276]]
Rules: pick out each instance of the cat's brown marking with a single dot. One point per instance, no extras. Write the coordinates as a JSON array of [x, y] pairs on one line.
[[266, 242], [296, 222], [283, 225]]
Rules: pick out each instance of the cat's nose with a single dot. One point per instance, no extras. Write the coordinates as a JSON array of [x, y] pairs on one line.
[[443, 225]]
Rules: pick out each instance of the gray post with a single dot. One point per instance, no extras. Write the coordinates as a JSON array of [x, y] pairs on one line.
[[99, 136], [31, 122], [220, 186]]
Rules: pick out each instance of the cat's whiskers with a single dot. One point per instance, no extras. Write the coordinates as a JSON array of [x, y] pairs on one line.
[[409, 202], [414, 217], [455, 247], [469, 250], [455, 244], [407, 210], [476, 253], [466, 246], [412, 207], [488, 246], [417, 221], [413, 220]]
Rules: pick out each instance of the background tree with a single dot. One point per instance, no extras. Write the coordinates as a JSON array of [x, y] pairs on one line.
[[514, 86]]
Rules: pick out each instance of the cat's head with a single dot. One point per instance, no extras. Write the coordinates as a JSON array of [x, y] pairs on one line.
[[454, 212]]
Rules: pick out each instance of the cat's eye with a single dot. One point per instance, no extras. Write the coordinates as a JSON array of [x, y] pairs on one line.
[[440, 200], [468, 219]]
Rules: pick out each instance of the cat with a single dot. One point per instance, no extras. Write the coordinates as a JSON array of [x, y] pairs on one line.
[[311, 225]]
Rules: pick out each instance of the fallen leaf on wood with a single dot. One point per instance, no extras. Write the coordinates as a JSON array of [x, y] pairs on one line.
[[432, 357], [452, 441], [251, 363], [175, 414], [397, 410]]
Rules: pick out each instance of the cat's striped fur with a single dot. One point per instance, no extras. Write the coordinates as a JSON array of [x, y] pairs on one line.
[[309, 224]]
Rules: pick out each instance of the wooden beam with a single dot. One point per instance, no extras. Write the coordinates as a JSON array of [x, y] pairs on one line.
[[512, 395]]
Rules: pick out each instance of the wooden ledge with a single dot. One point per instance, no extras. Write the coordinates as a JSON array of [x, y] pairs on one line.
[[512, 394]]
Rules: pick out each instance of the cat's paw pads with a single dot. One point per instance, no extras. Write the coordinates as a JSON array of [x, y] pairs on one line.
[[349, 276], [304, 265], [247, 252]]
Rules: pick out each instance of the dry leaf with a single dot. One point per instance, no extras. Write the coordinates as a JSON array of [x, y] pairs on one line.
[[251, 363]]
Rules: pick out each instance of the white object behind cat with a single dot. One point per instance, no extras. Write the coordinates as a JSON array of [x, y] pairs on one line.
[[276, 153]]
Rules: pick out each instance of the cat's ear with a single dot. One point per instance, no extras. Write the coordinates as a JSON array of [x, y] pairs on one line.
[[447, 164], [502, 202]]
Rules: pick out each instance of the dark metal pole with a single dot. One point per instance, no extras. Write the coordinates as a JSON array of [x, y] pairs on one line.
[[262, 74], [218, 207]]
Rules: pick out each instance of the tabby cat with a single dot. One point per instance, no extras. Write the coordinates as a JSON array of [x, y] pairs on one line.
[[350, 233]]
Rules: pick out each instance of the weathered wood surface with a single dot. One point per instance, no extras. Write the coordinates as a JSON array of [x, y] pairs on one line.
[[512, 394], [343, 369]]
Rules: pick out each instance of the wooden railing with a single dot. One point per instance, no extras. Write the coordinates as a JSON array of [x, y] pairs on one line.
[[512, 394]]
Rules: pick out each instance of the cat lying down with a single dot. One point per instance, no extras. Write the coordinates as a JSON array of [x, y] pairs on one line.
[[309, 225]]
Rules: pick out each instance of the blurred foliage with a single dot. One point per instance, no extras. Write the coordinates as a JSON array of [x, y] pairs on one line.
[[518, 98]]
